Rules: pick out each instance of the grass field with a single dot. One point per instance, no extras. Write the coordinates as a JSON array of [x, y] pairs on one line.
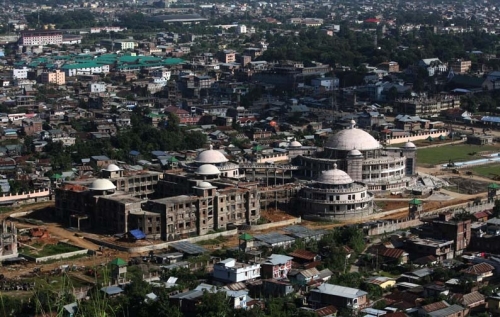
[[456, 153], [487, 170], [48, 249]]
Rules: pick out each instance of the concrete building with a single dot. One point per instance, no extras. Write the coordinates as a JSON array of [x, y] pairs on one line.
[[230, 271], [120, 45], [276, 266], [227, 56], [364, 159], [335, 196], [56, 77], [425, 106], [8, 241], [41, 38], [460, 66], [20, 73]]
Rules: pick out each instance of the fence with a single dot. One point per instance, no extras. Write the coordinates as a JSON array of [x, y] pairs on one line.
[[36, 194]]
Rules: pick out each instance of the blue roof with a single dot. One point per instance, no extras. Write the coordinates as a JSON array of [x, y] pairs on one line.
[[158, 153], [111, 290], [137, 234], [490, 119], [134, 153]]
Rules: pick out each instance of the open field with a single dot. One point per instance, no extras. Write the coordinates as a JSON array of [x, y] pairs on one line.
[[48, 249], [488, 170], [456, 153]]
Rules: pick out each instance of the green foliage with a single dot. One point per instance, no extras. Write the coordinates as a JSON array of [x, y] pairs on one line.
[[62, 19]]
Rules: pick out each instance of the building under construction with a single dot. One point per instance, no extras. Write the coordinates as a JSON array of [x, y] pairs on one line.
[[8, 241]]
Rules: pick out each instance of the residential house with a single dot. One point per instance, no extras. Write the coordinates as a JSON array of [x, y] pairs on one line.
[[276, 266], [471, 300], [382, 281], [230, 271], [276, 288], [479, 272], [338, 296], [305, 277]]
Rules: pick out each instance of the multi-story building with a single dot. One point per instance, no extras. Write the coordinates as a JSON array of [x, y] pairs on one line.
[[88, 68], [335, 195], [440, 249], [230, 271], [390, 67], [364, 159], [460, 66], [427, 106], [227, 56], [445, 228], [20, 73], [56, 77], [276, 266], [32, 126], [41, 37], [121, 45]]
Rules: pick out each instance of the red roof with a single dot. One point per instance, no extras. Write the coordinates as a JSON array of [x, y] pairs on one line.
[[303, 254], [478, 269], [372, 20], [325, 311], [392, 253], [175, 110]]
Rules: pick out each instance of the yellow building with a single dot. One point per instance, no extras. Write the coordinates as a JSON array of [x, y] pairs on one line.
[[56, 77]]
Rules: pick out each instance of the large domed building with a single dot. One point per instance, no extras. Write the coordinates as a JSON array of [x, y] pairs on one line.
[[335, 196], [364, 159]]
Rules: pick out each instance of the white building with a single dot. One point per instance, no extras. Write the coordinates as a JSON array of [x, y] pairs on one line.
[[97, 87], [231, 271], [85, 69], [20, 73], [241, 29], [433, 66]]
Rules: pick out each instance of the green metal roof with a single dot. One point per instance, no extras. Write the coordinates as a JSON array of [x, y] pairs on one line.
[[81, 65], [493, 186], [415, 201], [246, 237], [118, 262]]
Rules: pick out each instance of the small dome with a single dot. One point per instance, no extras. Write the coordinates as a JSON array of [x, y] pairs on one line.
[[409, 145], [205, 185], [354, 153], [334, 177], [211, 156], [112, 168], [102, 184], [295, 143], [207, 169]]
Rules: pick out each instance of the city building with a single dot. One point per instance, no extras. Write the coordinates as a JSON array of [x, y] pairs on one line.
[[230, 271], [55, 77], [425, 106], [41, 38], [460, 66], [120, 45], [276, 266], [364, 160]]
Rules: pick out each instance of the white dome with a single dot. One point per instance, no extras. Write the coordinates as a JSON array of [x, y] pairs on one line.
[[334, 177], [211, 157], [207, 169], [102, 184], [295, 143], [352, 138], [112, 168], [410, 145], [354, 153], [205, 185]]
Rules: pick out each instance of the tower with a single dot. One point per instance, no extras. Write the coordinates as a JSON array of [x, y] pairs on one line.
[[355, 165], [118, 271], [492, 192], [415, 208]]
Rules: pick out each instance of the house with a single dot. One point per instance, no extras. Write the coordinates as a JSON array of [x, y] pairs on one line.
[[338, 296], [415, 276], [276, 288], [304, 277], [304, 256], [450, 311], [470, 300], [112, 291], [494, 304], [479, 272], [230, 271], [429, 308], [276, 266], [382, 281]]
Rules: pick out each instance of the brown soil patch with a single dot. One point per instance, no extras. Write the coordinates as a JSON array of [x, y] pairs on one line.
[[275, 215]]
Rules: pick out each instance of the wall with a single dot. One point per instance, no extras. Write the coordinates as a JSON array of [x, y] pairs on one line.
[[407, 223], [29, 195], [277, 224], [420, 136]]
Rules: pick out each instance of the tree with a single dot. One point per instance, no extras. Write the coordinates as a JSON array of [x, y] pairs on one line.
[[213, 304]]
